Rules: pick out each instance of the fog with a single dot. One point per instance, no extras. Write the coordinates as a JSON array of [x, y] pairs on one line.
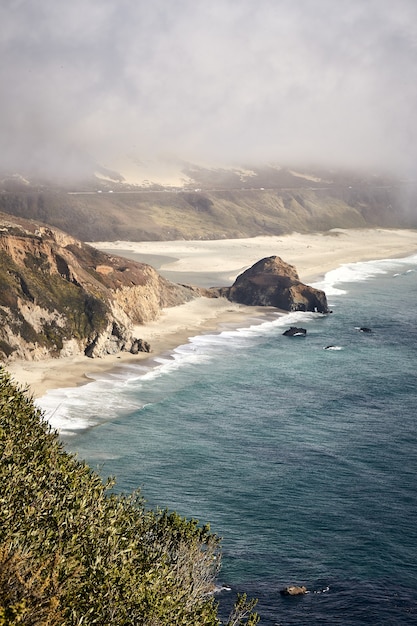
[[139, 86]]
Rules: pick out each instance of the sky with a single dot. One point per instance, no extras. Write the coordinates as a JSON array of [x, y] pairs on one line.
[[139, 86]]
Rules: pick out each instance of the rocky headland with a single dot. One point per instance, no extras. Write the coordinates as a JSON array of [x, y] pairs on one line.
[[60, 297], [273, 282]]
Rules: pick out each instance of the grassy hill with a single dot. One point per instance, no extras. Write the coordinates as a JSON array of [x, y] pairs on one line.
[[217, 204]]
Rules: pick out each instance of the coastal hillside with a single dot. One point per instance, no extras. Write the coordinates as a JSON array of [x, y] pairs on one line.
[[214, 204], [60, 297]]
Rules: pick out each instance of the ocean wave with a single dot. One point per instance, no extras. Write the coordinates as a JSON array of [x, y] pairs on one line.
[[70, 410], [362, 271], [202, 348]]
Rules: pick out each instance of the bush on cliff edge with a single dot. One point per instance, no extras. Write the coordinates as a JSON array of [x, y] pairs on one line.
[[73, 553]]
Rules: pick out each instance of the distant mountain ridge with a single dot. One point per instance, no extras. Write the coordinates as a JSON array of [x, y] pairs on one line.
[[214, 204]]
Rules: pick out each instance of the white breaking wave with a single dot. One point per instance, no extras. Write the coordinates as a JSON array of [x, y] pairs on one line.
[[363, 270], [70, 410]]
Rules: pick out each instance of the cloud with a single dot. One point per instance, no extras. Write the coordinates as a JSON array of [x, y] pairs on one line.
[[120, 82]]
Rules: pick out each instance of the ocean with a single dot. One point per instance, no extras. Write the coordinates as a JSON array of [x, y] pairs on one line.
[[301, 452]]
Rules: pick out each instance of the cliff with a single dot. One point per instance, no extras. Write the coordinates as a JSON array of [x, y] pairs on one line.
[[60, 297]]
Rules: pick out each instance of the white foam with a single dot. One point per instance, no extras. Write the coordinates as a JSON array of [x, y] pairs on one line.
[[73, 409], [363, 270]]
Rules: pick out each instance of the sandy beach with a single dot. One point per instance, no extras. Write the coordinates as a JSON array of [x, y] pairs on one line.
[[313, 254], [221, 261]]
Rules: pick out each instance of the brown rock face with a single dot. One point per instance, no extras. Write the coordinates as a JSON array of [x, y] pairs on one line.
[[60, 297], [272, 282]]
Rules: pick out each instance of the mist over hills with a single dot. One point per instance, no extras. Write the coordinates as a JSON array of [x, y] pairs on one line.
[[213, 203]]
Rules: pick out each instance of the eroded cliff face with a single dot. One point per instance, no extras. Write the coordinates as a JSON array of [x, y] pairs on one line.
[[273, 282], [60, 297]]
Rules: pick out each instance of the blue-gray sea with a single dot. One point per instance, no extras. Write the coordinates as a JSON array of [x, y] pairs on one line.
[[303, 459]]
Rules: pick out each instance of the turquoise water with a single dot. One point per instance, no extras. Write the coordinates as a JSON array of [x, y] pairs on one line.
[[303, 459]]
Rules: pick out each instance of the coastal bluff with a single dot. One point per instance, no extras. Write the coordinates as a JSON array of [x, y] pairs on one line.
[[273, 282], [60, 297]]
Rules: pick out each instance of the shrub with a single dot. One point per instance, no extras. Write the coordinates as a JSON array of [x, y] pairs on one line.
[[71, 552]]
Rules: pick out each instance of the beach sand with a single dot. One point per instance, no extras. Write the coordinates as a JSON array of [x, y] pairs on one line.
[[220, 261], [313, 254]]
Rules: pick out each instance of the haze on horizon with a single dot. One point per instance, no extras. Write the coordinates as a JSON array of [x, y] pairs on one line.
[[140, 86]]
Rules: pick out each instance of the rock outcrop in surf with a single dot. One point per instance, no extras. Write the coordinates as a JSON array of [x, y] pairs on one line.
[[294, 590], [273, 282], [295, 331]]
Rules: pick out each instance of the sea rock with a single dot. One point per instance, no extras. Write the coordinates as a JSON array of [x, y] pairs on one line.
[[293, 590], [139, 345], [273, 282], [294, 331], [112, 340]]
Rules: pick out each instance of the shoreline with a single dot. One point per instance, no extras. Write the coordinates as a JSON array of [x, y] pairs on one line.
[[313, 256], [173, 328]]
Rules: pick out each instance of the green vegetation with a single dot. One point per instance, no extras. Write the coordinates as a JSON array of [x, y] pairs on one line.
[[73, 553], [84, 313], [220, 205]]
